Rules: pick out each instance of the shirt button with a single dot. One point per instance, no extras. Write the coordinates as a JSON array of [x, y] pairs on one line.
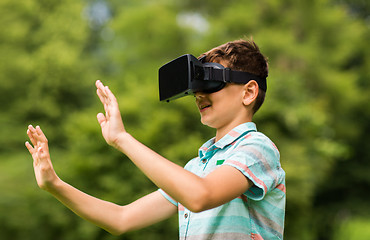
[[204, 160], [186, 215]]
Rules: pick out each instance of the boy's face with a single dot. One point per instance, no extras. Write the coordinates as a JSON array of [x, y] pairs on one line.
[[223, 109]]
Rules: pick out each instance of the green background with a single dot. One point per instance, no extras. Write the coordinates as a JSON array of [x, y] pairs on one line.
[[317, 108]]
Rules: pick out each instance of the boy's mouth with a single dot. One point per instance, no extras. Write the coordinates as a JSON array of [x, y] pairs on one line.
[[204, 106]]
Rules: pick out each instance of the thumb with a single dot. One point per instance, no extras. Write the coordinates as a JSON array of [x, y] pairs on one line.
[[101, 118]]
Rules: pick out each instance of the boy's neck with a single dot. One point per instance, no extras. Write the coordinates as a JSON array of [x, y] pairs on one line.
[[221, 132]]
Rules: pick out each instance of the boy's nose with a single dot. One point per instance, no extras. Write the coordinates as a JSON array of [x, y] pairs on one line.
[[199, 95]]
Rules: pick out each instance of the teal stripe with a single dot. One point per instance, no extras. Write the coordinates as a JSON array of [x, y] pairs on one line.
[[165, 195]]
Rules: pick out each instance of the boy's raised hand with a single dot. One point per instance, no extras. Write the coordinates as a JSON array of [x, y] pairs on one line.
[[111, 122], [44, 171]]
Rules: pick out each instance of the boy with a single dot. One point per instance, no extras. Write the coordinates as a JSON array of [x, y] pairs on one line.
[[234, 189]]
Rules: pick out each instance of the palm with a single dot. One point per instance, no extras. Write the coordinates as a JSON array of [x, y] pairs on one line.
[[42, 177], [112, 126]]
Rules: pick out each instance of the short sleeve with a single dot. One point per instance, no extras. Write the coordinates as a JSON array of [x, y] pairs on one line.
[[170, 199], [258, 160]]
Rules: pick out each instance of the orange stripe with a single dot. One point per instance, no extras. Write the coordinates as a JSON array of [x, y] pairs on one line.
[[234, 134], [244, 167], [281, 187], [247, 136], [256, 236]]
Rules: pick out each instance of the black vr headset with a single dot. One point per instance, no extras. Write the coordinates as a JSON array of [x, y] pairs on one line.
[[187, 75]]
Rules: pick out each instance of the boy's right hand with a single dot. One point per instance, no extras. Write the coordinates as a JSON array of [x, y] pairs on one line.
[[111, 122], [44, 171]]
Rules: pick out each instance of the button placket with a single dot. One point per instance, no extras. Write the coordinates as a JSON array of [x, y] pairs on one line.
[[186, 216]]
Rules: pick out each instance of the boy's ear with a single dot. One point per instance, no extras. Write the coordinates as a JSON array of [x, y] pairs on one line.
[[250, 92]]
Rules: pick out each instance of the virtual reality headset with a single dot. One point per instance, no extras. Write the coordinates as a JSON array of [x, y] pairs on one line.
[[187, 75]]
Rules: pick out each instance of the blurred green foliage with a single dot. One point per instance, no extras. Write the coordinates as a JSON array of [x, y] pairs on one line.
[[317, 108]]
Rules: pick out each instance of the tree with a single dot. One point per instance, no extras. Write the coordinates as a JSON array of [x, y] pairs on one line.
[[46, 76]]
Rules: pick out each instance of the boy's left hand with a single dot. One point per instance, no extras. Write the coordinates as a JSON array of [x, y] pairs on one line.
[[110, 123], [44, 172]]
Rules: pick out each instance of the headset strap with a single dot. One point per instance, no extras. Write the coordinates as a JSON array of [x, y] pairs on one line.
[[230, 76]]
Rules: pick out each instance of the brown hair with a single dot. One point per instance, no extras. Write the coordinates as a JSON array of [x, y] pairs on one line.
[[241, 55]]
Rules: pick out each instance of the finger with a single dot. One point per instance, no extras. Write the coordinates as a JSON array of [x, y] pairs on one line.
[[33, 132], [32, 152], [111, 101], [41, 134], [101, 98], [36, 136], [30, 148], [98, 83], [101, 90], [30, 137], [30, 134], [31, 128], [110, 95], [106, 97], [107, 93]]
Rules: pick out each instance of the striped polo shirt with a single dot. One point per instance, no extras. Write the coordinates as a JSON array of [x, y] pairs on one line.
[[259, 212]]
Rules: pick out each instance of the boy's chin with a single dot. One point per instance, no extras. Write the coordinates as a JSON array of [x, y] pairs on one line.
[[203, 121], [206, 122]]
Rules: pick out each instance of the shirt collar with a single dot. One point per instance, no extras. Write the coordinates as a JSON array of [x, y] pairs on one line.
[[229, 138]]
